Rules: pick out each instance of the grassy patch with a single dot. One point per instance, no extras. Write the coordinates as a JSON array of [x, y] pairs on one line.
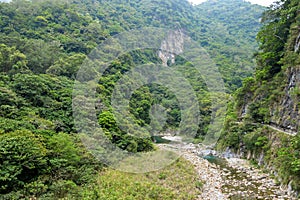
[[178, 181]]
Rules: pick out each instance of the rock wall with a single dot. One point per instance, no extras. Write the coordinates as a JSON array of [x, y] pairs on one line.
[[285, 113], [171, 46]]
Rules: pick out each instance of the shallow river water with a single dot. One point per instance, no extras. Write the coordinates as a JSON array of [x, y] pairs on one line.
[[243, 181], [227, 178]]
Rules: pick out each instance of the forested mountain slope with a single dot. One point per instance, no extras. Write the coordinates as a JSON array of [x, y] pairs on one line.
[[267, 105], [233, 31], [42, 46], [226, 29], [225, 32]]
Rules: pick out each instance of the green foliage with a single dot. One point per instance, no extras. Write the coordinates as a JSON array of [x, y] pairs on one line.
[[46, 32], [43, 44], [10, 125], [258, 112], [232, 140], [51, 96], [288, 160], [107, 121], [261, 141], [22, 156], [67, 66], [199, 184], [235, 61], [274, 36], [277, 56], [32, 164], [62, 146], [255, 141], [119, 137], [12, 60], [180, 178], [245, 93]]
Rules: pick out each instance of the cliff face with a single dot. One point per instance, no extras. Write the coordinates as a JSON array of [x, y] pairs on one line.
[[273, 95], [285, 112], [275, 103]]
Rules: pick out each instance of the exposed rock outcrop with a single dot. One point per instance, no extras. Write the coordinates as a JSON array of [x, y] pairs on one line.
[[171, 46], [285, 113]]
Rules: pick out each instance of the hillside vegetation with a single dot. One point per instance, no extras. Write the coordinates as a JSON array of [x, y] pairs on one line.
[[267, 106], [43, 45]]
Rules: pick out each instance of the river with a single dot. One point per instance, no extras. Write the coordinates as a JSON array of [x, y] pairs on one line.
[[227, 178]]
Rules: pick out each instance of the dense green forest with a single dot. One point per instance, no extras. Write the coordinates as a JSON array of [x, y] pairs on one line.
[[264, 119], [43, 45]]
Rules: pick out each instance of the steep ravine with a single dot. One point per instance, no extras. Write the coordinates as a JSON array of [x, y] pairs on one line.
[[227, 178]]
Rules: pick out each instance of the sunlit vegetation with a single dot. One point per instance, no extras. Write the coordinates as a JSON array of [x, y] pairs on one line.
[[42, 46], [271, 97]]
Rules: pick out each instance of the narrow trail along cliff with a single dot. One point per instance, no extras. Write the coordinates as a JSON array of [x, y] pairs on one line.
[[276, 128], [291, 133], [229, 178]]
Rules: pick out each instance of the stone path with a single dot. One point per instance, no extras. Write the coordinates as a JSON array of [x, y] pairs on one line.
[[292, 133], [288, 132]]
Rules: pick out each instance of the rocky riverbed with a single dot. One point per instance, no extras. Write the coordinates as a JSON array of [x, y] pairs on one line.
[[228, 178]]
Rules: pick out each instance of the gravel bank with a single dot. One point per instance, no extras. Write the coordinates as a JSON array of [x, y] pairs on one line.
[[237, 179]]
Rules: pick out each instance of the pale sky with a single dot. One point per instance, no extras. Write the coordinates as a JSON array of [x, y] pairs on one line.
[[260, 2]]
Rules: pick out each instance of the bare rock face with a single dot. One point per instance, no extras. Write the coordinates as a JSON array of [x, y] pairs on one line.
[[297, 44], [285, 113], [171, 46]]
